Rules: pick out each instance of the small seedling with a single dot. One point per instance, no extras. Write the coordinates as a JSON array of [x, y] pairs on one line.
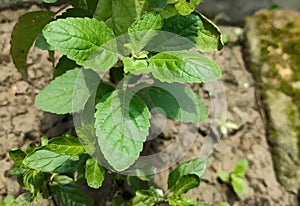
[[8, 200], [236, 178], [225, 124]]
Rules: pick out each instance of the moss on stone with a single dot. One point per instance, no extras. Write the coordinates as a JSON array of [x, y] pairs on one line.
[[280, 47], [273, 40]]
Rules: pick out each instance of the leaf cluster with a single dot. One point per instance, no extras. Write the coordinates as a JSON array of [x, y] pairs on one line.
[[184, 177], [55, 169], [236, 178], [162, 39], [89, 35]]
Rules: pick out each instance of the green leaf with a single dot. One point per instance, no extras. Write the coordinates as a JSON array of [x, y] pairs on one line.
[[184, 185], [49, 1], [146, 198], [72, 165], [87, 136], [169, 11], [17, 156], [177, 101], [69, 192], [185, 26], [89, 5], [44, 140], [92, 5], [82, 43], [33, 180], [24, 35], [149, 21], [69, 92], [158, 3], [17, 171], [24, 199], [94, 173], [9, 199], [135, 184], [31, 147], [184, 67], [184, 201], [186, 176], [122, 123], [139, 66], [46, 160], [75, 12], [103, 89], [104, 10], [186, 7], [118, 201], [238, 184], [142, 30], [79, 4], [66, 145], [119, 15], [42, 43], [64, 65], [167, 41], [209, 38], [68, 166], [224, 176], [241, 168], [45, 191]]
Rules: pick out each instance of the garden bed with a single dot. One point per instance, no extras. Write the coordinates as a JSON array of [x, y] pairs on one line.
[[22, 123]]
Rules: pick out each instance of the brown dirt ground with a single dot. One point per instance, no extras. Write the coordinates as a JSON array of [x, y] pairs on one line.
[[21, 123]]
